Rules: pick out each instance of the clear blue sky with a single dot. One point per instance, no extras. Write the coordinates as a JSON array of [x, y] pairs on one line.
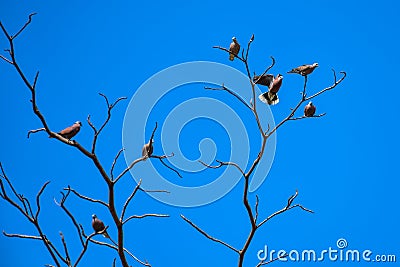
[[344, 165]]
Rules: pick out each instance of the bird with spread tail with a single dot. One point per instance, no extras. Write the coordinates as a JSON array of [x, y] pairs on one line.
[[98, 226], [234, 49], [304, 70], [309, 110], [71, 131], [274, 84]]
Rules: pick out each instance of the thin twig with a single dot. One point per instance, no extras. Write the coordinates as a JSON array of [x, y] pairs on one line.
[[144, 216], [208, 236], [128, 200], [67, 257], [114, 162], [223, 88], [286, 208], [23, 27], [161, 158], [38, 199], [22, 236], [262, 263], [223, 163], [86, 198]]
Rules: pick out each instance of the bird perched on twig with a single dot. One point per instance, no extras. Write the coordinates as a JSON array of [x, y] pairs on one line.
[[71, 131], [98, 226], [309, 110], [274, 84], [234, 49], [147, 149], [304, 70]]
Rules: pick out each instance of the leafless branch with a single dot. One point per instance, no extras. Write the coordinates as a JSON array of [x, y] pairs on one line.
[[22, 236], [85, 197], [23, 27], [69, 214], [223, 88], [38, 199], [227, 50], [136, 161], [305, 117], [6, 59], [128, 200], [262, 263], [161, 159], [208, 236], [68, 259], [109, 109], [286, 208], [222, 163], [144, 216], [114, 162], [256, 209]]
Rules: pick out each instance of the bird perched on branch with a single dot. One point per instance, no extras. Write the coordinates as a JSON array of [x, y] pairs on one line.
[[274, 84], [234, 49], [98, 226], [71, 131], [309, 110], [304, 70], [147, 149]]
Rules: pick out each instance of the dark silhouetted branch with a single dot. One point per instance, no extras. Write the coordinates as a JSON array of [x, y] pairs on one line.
[[144, 216], [208, 236]]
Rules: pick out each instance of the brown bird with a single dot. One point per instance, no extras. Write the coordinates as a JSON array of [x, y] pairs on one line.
[[304, 70], [71, 131], [309, 110], [265, 79], [234, 49], [271, 96], [147, 149], [98, 226]]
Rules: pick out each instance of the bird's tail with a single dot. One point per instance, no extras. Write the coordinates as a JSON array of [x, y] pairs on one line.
[[231, 57], [292, 71], [106, 235], [269, 98]]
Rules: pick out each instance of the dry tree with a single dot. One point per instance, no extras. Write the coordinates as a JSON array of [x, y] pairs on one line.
[[62, 256], [265, 132]]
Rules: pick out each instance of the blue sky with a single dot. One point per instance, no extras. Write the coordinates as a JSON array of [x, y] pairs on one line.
[[344, 165]]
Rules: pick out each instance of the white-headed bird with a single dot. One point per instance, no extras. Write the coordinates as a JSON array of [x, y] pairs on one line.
[[304, 70], [309, 110], [71, 131], [271, 96], [234, 49], [98, 226]]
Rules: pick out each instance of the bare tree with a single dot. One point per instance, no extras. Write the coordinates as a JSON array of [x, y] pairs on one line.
[[265, 133], [61, 256]]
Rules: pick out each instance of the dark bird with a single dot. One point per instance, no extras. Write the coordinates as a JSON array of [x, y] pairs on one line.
[[98, 226], [71, 131], [265, 79], [234, 49], [304, 70], [271, 96], [309, 110]]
